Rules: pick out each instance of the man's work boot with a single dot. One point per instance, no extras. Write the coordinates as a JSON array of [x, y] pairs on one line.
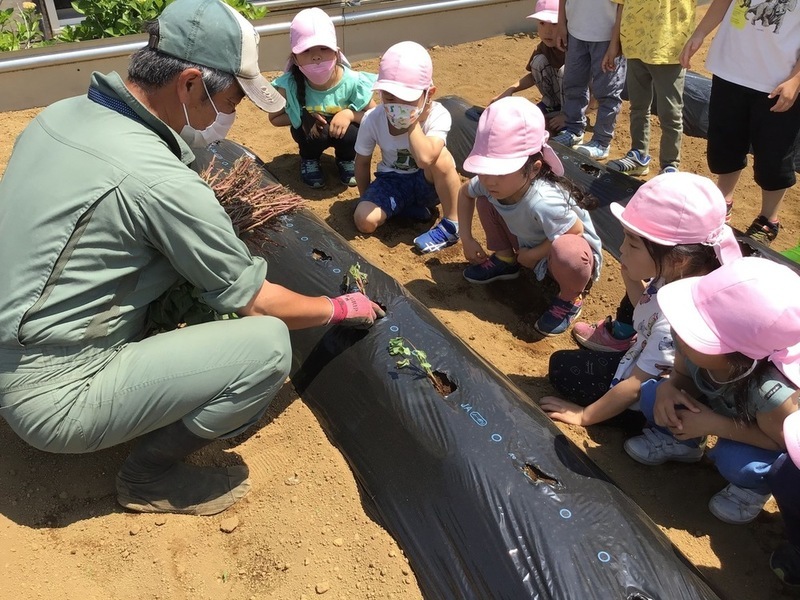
[[154, 480]]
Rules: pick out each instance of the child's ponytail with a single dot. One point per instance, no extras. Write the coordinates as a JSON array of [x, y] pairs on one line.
[[578, 195]]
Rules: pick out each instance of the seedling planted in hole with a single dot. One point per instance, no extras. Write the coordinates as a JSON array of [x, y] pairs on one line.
[[417, 360], [355, 280]]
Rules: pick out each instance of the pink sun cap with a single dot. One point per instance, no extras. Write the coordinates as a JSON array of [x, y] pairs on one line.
[[791, 435], [680, 208], [405, 71], [546, 10], [748, 306], [312, 27], [509, 131]]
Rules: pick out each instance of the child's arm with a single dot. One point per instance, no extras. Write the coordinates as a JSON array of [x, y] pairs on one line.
[[787, 91], [561, 26], [473, 251], [342, 119], [613, 402], [525, 82], [363, 173], [424, 148], [614, 50], [766, 432], [530, 257], [710, 21], [677, 391]]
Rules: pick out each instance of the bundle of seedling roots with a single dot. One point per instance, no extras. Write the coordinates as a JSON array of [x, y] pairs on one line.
[[251, 206]]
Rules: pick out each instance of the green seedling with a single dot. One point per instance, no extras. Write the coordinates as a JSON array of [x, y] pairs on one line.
[[355, 280], [398, 347]]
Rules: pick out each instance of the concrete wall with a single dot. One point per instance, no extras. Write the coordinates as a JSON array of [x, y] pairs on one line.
[[40, 76]]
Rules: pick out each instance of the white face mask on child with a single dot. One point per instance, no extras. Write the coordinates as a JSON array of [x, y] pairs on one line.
[[215, 132], [402, 116], [318, 73]]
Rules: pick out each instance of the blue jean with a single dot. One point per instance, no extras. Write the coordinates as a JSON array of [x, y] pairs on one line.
[[582, 68], [394, 192], [784, 482], [741, 464]]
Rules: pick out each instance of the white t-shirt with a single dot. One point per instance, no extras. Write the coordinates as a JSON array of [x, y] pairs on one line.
[[591, 20], [545, 212], [757, 46], [654, 351], [395, 153]]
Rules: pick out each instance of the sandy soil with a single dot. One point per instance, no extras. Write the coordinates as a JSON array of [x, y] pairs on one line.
[[303, 531]]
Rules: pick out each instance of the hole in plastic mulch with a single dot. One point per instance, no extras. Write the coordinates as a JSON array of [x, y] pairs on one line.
[[320, 255], [536, 475], [442, 383], [590, 169]]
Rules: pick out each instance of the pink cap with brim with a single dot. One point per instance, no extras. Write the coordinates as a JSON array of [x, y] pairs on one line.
[[747, 306], [405, 71], [791, 436], [312, 27], [509, 132], [680, 208], [546, 10]]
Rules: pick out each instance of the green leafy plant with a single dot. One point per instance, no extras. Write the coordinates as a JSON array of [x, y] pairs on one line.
[[399, 346], [355, 280], [113, 18], [416, 359], [21, 31]]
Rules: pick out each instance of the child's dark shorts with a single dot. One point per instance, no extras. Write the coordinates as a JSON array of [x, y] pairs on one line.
[[740, 117], [394, 192]]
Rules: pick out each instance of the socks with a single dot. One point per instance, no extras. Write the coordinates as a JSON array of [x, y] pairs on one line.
[[450, 226], [621, 331], [509, 260]]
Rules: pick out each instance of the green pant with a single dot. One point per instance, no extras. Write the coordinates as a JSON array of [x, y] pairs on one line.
[[218, 377], [667, 81]]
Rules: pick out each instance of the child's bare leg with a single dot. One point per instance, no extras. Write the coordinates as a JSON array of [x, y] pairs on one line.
[[571, 263], [447, 182], [771, 203], [368, 216], [727, 184]]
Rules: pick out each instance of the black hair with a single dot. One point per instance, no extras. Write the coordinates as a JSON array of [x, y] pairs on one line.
[[151, 69], [696, 259], [574, 192], [300, 84]]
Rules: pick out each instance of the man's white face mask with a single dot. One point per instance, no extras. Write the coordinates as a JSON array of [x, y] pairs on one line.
[[215, 132]]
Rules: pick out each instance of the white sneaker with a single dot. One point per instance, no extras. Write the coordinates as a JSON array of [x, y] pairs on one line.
[[654, 447], [737, 505], [593, 149]]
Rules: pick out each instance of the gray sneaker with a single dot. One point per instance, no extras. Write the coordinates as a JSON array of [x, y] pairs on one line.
[[737, 505], [654, 447]]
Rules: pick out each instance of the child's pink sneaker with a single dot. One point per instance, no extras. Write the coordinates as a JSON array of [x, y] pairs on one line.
[[598, 337]]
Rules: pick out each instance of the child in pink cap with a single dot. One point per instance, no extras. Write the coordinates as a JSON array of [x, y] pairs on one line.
[[736, 376], [416, 170], [674, 227], [784, 483], [545, 67], [531, 214], [325, 98]]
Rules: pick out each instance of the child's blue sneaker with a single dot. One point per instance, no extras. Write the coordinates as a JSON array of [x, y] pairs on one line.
[[311, 172], [668, 169], [492, 269], [594, 150], [558, 317], [444, 234], [566, 138], [347, 172]]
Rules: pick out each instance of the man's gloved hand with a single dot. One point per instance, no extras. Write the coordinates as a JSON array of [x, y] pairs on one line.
[[354, 310]]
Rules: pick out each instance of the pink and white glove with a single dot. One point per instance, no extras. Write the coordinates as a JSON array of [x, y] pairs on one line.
[[354, 310]]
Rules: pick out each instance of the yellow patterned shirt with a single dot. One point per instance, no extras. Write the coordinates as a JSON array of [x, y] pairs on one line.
[[655, 31]]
